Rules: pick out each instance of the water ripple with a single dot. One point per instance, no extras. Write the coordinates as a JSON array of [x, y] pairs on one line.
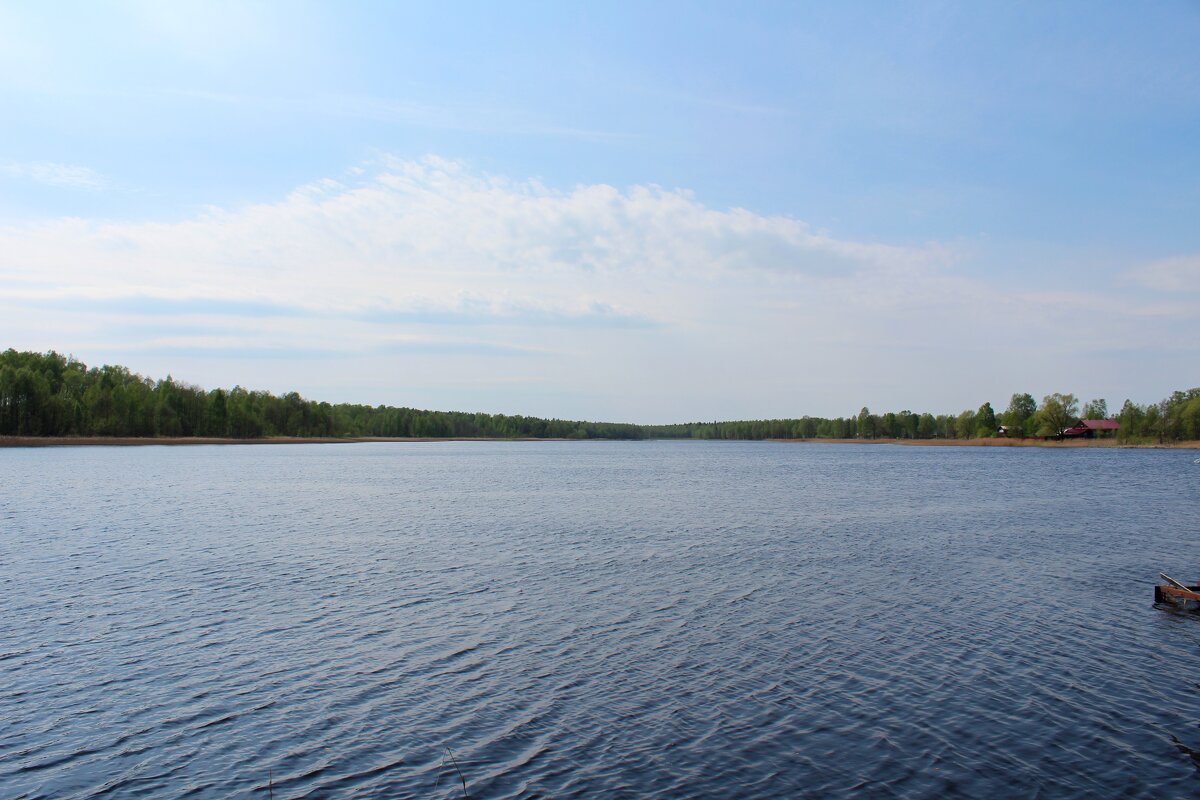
[[666, 620]]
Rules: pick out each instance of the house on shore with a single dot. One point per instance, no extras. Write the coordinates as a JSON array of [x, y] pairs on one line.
[[1090, 428]]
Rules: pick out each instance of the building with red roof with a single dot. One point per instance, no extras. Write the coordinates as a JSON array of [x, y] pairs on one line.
[[1088, 428]]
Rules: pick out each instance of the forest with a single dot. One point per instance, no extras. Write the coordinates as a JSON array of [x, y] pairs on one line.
[[48, 394]]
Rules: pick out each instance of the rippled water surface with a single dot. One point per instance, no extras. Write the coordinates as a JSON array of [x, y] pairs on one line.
[[596, 619]]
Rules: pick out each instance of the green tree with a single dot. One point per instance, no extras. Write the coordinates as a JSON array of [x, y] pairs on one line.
[[24, 400], [244, 421], [868, 424], [926, 427], [1017, 417], [1152, 422], [985, 421], [1189, 418], [1095, 409], [1058, 411], [964, 425], [1130, 419], [889, 427]]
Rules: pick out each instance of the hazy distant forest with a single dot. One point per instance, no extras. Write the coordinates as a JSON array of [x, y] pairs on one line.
[[52, 395]]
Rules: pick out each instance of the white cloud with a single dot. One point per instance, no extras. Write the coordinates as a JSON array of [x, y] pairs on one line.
[[432, 231], [1180, 274], [53, 174], [642, 303]]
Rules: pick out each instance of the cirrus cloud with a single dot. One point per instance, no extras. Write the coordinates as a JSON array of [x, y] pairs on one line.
[[1179, 274], [54, 174]]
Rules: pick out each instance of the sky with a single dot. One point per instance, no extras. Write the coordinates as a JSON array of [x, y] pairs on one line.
[[617, 211]]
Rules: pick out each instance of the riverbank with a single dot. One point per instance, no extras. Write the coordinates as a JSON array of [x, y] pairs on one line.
[[136, 441], [999, 442]]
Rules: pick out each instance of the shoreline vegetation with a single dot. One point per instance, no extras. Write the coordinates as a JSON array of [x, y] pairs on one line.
[[51, 399], [174, 441]]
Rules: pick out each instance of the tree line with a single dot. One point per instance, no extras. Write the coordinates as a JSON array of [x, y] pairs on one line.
[[52, 395], [47, 394], [1175, 418]]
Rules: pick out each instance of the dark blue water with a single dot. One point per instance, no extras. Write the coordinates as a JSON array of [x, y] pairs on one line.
[[667, 620]]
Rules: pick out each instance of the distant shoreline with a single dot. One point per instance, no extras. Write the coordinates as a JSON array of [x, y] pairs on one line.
[[1072, 444], [172, 441]]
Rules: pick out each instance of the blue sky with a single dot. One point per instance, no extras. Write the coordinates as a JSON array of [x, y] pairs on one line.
[[688, 211]]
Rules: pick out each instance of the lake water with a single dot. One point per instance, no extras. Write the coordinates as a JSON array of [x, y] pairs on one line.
[[596, 619]]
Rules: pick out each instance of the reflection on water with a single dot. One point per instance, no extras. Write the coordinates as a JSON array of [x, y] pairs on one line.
[[595, 620]]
